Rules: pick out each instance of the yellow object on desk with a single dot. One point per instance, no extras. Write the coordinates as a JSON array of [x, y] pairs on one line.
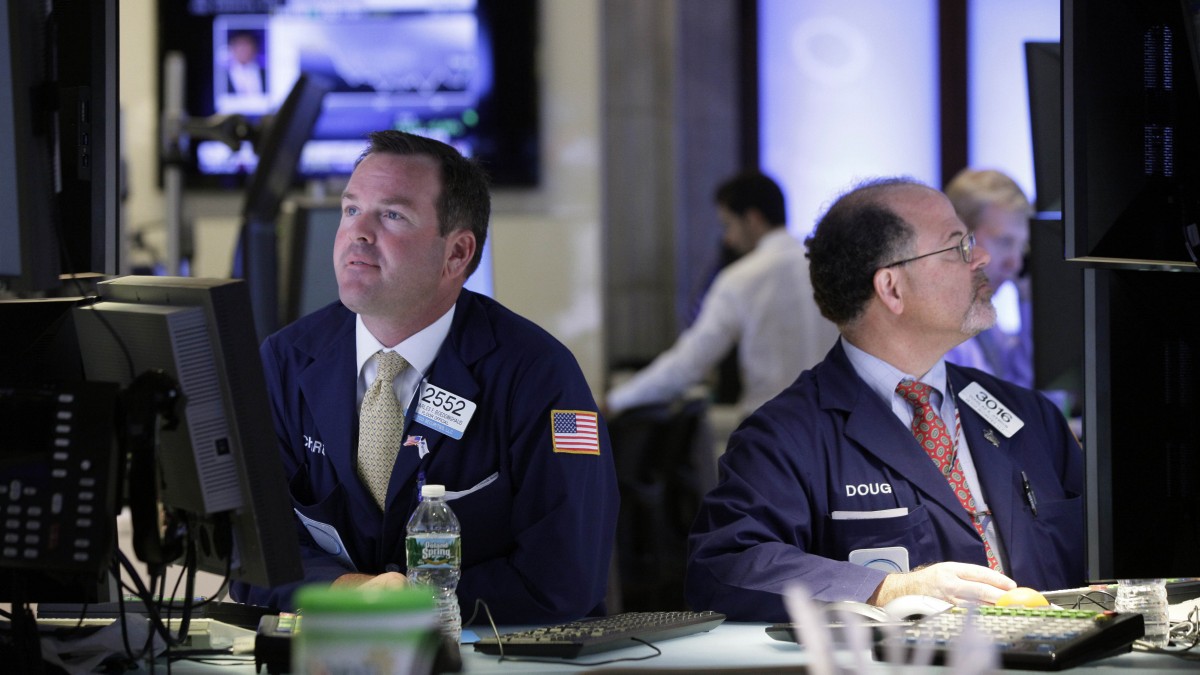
[[1022, 597]]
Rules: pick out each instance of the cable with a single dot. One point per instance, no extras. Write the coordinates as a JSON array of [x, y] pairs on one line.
[[1087, 601]]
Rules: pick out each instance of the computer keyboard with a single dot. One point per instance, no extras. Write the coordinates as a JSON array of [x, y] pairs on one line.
[[588, 636], [232, 613], [1033, 639]]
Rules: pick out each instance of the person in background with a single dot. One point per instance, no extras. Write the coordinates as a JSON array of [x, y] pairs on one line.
[[833, 485], [491, 406], [995, 209], [244, 71], [762, 303]]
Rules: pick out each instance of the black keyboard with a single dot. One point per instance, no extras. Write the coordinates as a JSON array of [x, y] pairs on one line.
[[588, 636], [1032, 639]]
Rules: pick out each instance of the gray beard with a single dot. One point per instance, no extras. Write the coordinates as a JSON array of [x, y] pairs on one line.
[[980, 316]]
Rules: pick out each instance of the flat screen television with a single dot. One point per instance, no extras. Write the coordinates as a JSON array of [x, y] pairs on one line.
[[461, 71]]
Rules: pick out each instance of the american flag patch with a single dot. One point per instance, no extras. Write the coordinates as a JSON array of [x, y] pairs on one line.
[[575, 431]]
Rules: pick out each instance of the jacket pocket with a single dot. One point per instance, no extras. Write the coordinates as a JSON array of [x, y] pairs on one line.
[[459, 494], [319, 517], [910, 531], [1058, 527]]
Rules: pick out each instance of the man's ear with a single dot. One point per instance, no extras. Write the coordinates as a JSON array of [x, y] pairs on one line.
[[759, 221], [887, 282], [460, 249]]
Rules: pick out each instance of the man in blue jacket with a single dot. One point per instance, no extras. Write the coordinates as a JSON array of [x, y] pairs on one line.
[[827, 485], [493, 407]]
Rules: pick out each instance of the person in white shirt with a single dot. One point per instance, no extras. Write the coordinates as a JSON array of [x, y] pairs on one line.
[[763, 303]]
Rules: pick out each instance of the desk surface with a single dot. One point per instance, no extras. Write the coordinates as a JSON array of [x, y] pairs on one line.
[[731, 647]]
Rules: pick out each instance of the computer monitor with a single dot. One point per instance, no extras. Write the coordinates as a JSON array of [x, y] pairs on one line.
[[1131, 131], [307, 232], [1141, 439], [1131, 186], [59, 156], [279, 156], [218, 466], [1043, 67], [462, 71]]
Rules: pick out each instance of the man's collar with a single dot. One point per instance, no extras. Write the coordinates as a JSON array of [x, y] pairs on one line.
[[882, 377], [419, 349]]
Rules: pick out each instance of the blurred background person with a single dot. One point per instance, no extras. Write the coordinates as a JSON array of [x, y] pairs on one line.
[[762, 303], [995, 209]]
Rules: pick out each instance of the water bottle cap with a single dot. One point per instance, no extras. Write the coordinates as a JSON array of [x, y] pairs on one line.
[[433, 491]]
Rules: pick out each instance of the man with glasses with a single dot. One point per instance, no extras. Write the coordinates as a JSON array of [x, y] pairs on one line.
[[832, 485]]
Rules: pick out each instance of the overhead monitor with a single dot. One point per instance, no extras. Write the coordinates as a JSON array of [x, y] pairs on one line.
[[1131, 131], [461, 71]]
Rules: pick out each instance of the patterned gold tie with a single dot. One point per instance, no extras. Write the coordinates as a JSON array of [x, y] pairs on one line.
[[380, 425]]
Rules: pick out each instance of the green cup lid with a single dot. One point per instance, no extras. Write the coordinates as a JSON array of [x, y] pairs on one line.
[[324, 598]]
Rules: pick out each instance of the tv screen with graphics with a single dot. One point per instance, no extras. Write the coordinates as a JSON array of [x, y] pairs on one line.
[[460, 71]]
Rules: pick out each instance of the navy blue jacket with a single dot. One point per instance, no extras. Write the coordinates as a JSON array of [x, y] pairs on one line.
[[537, 525], [828, 443]]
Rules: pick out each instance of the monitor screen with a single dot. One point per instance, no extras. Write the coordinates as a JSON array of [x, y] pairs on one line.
[[279, 149], [1043, 66], [218, 464], [461, 71], [59, 158], [1131, 131], [1140, 433]]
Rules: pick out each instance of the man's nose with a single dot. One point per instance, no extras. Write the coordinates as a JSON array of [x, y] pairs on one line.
[[980, 256]]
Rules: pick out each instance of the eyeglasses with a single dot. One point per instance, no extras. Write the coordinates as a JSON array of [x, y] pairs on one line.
[[965, 246]]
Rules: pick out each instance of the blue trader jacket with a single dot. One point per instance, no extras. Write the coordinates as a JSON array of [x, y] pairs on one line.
[[827, 444], [537, 524]]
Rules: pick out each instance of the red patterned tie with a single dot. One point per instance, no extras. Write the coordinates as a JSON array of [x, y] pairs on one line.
[[935, 438]]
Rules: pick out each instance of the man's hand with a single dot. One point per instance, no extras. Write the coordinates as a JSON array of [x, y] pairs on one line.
[[385, 580], [956, 583]]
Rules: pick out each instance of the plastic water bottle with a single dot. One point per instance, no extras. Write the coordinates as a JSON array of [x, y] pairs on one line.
[[1147, 597], [434, 548]]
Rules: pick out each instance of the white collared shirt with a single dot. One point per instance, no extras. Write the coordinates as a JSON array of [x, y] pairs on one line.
[[419, 350], [246, 78], [764, 304]]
